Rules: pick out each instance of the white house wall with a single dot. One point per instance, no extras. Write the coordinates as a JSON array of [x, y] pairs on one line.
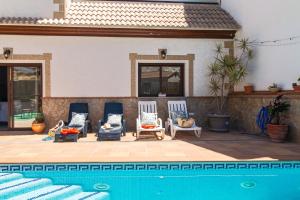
[[97, 66], [269, 20], [27, 8]]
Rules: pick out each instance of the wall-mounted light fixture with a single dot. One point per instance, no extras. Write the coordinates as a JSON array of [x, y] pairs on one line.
[[162, 53], [7, 52]]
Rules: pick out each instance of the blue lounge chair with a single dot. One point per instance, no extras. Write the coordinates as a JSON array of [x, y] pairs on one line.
[[79, 108], [115, 132]]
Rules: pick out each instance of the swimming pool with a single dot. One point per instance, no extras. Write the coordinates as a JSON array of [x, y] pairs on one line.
[[174, 180]]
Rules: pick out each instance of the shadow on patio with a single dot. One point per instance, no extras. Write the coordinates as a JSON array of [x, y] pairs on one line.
[[243, 146]]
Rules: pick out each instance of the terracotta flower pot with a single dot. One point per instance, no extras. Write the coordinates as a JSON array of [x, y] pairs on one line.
[[248, 89], [296, 88], [38, 127], [277, 133]]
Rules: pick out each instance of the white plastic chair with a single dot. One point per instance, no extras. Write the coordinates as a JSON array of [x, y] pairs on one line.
[[179, 106], [148, 107]]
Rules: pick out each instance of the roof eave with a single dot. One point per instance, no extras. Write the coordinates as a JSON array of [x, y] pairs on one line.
[[165, 32]]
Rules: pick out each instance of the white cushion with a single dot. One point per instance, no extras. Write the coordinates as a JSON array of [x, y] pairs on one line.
[[114, 119], [149, 119], [78, 119]]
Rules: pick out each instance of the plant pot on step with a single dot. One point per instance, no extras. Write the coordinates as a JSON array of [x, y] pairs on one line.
[[218, 122], [274, 90], [248, 89], [277, 133], [38, 127], [296, 88]]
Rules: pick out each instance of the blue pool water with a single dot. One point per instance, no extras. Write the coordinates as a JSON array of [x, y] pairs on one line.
[[175, 181]]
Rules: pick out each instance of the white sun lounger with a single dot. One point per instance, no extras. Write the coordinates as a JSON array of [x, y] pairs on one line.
[[179, 106], [148, 107]]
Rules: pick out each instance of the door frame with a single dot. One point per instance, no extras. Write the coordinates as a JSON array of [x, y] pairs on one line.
[[10, 98]]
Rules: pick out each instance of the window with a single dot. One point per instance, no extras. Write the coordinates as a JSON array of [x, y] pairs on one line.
[[161, 79]]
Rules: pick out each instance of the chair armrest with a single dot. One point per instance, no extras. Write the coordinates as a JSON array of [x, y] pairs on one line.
[[159, 122], [169, 124], [101, 123], [138, 123], [87, 123], [170, 121], [124, 127]]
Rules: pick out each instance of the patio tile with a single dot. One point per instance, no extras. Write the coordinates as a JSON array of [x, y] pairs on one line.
[[186, 147]]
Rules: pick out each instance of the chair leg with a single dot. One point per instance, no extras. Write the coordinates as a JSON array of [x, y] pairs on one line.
[[163, 134], [197, 133], [167, 126], [137, 135], [173, 133]]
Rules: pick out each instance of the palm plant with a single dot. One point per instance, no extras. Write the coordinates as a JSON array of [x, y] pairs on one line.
[[277, 107], [227, 71]]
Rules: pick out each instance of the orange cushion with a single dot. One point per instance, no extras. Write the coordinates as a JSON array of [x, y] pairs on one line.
[[148, 126], [69, 131]]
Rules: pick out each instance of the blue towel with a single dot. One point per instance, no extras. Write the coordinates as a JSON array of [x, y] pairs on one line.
[[47, 138], [263, 119]]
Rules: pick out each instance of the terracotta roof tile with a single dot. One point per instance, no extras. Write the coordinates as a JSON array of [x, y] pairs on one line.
[[138, 15]]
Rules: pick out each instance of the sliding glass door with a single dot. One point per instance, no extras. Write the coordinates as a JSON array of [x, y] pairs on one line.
[[4, 117], [25, 93]]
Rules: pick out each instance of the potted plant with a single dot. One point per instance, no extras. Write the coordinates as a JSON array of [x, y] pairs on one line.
[[38, 125], [275, 128], [225, 72], [249, 88], [297, 86], [274, 88]]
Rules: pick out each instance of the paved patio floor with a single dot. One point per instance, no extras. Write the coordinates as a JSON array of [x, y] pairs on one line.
[[186, 147]]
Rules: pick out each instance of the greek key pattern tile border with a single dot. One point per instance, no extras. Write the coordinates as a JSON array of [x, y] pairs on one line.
[[149, 166]]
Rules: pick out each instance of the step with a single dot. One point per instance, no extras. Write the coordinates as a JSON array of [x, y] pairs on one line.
[[6, 177], [21, 186], [49, 192], [65, 192], [14, 187], [90, 196]]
